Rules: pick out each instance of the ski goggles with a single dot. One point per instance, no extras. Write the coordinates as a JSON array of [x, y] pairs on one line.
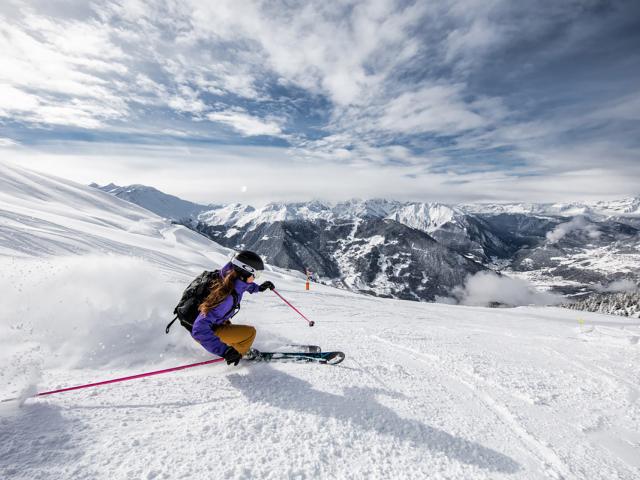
[[255, 273]]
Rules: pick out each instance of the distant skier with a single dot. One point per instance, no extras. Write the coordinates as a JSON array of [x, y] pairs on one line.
[[212, 327]]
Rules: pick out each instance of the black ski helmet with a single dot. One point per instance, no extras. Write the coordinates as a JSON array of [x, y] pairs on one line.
[[247, 263]]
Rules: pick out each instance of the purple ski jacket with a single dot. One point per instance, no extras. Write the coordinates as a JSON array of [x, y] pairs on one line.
[[203, 326]]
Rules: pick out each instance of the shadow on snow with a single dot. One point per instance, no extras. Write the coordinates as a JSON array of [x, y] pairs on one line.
[[38, 437], [359, 407]]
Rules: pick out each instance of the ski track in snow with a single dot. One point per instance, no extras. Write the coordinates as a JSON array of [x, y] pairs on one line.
[[426, 390], [502, 401], [501, 411]]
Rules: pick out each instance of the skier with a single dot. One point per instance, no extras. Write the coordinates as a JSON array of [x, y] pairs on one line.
[[212, 328]]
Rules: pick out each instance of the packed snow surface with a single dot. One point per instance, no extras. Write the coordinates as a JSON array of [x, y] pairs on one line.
[[426, 390]]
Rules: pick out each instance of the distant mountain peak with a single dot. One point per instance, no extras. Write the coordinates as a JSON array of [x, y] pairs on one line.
[[160, 203], [110, 188]]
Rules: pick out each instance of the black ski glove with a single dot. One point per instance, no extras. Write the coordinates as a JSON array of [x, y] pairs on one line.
[[231, 355], [266, 285]]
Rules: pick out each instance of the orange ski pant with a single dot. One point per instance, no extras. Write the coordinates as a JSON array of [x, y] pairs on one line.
[[240, 337]]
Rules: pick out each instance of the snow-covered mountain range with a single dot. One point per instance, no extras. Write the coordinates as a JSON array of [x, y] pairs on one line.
[[427, 390], [422, 215], [372, 245], [626, 207]]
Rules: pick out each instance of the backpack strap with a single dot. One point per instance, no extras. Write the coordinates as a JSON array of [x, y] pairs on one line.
[[235, 306], [166, 330]]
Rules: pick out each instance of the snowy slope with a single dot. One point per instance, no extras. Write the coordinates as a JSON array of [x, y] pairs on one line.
[[426, 391], [152, 199], [44, 216]]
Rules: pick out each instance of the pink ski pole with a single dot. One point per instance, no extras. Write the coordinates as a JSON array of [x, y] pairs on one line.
[[310, 322], [122, 379]]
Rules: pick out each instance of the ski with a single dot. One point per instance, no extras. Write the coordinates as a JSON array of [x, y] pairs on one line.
[[297, 348], [327, 358]]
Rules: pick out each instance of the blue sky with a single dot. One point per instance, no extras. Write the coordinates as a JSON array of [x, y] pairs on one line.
[[246, 101]]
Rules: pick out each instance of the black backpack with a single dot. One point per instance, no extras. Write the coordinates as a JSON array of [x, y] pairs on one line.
[[187, 309]]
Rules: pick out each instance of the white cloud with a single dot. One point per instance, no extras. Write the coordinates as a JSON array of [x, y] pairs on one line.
[[322, 47], [52, 72], [433, 108], [186, 100], [575, 224], [624, 285], [15, 100], [7, 142], [486, 288], [343, 148], [201, 67], [466, 45], [246, 124], [86, 114], [31, 58]]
